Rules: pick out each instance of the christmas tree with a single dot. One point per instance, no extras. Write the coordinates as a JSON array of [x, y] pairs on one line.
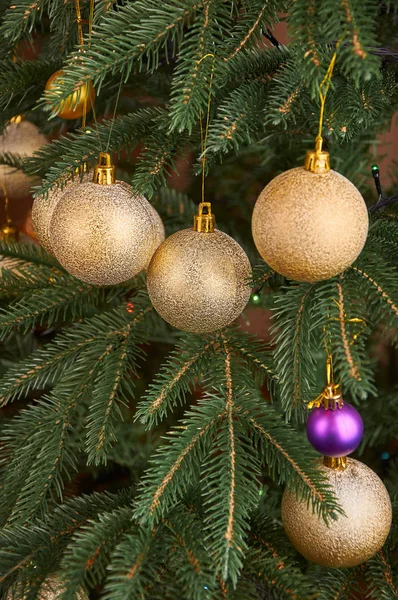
[[149, 457]]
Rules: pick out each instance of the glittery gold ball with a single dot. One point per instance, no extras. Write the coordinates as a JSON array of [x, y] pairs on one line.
[[52, 589], [71, 108], [22, 139], [309, 226], [43, 209], [103, 234], [353, 538], [198, 281]]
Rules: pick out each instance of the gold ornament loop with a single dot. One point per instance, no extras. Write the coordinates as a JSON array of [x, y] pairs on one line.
[[318, 161], [330, 397], [204, 222], [9, 231], [203, 136], [104, 170]]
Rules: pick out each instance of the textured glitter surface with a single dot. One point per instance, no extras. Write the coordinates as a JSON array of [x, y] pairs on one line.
[[198, 281], [160, 232], [353, 538], [23, 139], [51, 589], [309, 226], [103, 234], [43, 208]]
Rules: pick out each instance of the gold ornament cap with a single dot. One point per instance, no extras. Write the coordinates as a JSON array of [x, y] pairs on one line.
[[104, 171], [17, 119], [317, 161], [338, 463], [9, 232], [204, 222]]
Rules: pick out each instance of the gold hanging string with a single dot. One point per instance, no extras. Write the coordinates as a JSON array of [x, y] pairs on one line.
[[331, 395], [203, 136], [114, 113], [6, 202], [318, 161], [79, 23], [80, 36], [323, 90], [91, 19], [8, 231], [90, 31]]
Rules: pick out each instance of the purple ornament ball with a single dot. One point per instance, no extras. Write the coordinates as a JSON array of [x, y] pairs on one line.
[[335, 432]]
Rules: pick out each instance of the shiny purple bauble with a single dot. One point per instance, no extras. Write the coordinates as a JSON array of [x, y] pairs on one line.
[[335, 432]]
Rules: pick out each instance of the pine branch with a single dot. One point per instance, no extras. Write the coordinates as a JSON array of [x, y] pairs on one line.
[[117, 366], [381, 577], [20, 19], [42, 441], [351, 21], [177, 378], [48, 364], [48, 459], [341, 584], [270, 564], [237, 121], [62, 157], [88, 553], [48, 305], [177, 210], [126, 39], [341, 313], [27, 551], [294, 358], [194, 72], [135, 565], [158, 160], [229, 484], [15, 161], [252, 350], [286, 458], [28, 253], [23, 81], [189, 549], [252, 19], [377, 281], [176, 465]]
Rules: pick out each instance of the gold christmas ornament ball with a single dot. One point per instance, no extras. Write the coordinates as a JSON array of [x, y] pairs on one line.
[[52, 589], [310, 226], [354, 537], [21, 138], [43, 209], [198, 281], [75, 104], [103, 234]]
